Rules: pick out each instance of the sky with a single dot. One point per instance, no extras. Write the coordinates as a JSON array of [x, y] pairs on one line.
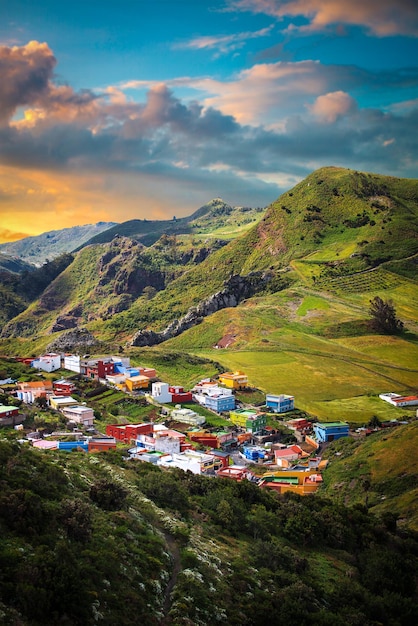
[[135, 109]]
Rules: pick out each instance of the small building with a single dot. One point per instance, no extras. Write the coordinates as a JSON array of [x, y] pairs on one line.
[[79, 414], [298, 481], [283, 456], [192, 460], [250, 420], [399, 401], [134, 383], [9, 415], [29, 392], [73, 446], [63, 387], [160, 392], [101, 444], [187, 416], [330, 431], [280, 403], [236, 472], [60, 402], [48, 362], [234, 380], [214, 398], [128, 432], [72, 363], [179, 395]]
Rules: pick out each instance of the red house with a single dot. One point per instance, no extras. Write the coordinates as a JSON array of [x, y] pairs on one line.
[[178, 395], [99, 368], [63, 388], [128, 432]]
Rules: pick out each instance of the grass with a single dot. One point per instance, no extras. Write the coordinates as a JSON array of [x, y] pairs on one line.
[[380, 471]]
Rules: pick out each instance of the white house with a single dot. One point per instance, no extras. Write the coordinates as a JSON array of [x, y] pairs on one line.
[[191, 460], [72, 362], [397, 400], [187, 416], [160, 393], [47, 362]]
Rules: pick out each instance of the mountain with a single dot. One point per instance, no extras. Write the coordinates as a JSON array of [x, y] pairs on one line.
[[36, 250], [216, 218], [293, 291], [13, 265]]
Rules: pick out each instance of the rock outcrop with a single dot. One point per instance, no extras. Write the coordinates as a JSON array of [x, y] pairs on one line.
[[236, 289], [75, 339]]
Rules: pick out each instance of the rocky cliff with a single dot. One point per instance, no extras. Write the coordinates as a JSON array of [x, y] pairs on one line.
[[236, 289]]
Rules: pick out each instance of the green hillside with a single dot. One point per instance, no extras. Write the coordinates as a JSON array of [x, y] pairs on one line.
[[306, 333], [379, 471], [89, 539], [215, 219]]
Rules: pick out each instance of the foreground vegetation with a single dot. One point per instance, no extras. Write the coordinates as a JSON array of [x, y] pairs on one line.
[[91, 539]]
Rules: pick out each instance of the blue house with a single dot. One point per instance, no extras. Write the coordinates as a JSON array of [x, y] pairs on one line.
[[281, 403], [220, 403], [330, 431]]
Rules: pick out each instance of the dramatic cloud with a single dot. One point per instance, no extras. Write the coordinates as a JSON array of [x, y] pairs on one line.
[[25, 74], [380, 17], [74, 156], [332, 106], [224, 44]]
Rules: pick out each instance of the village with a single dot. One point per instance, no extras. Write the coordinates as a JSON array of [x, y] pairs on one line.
[[272, 444]]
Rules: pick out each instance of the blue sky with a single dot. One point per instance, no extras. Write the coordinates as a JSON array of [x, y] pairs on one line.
[[122, 110]]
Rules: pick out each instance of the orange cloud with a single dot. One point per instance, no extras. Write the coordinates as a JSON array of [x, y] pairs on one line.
[[7, 235], [381, 17], [329, 107]]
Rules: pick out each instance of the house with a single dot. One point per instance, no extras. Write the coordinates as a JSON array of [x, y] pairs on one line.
[[79, 414], [330, 431], [250, 420], [72, 363], [48, 362], [234, 380], [73, 446], [29, 392], [59, 402], [212, 440], [236, 472], [160, 392], [178, 394], [283, 456], [192, 460], [187, 416], [133, 383], [399, 401], [303, 482], [280, 403], [214, 398], [63, 387], [9, 415], [97, 369], [128, 432], [101, 444]]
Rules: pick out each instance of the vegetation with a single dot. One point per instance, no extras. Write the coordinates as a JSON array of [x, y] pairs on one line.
[[92, 538], [383, 316]]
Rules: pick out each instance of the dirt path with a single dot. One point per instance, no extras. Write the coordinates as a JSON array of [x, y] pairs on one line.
[[175, 554]]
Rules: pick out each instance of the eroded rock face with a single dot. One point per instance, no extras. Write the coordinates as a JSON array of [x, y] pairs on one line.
[[73, 340], [236, 289]]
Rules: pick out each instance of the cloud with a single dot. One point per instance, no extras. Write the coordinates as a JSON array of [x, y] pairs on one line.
[[109, 157], [25, 73], [380, 17], [223, 43], [331, 106], [7, 235]]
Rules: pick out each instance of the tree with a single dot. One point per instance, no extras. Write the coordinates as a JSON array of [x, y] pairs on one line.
[[383, 316]]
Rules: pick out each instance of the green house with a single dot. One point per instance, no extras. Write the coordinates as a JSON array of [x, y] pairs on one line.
[[250, 420]]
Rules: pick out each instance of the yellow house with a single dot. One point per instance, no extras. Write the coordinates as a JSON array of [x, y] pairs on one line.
[[234, 380], [137, 382]]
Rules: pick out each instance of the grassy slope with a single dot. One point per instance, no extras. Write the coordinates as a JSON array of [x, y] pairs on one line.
[[380, 470]]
